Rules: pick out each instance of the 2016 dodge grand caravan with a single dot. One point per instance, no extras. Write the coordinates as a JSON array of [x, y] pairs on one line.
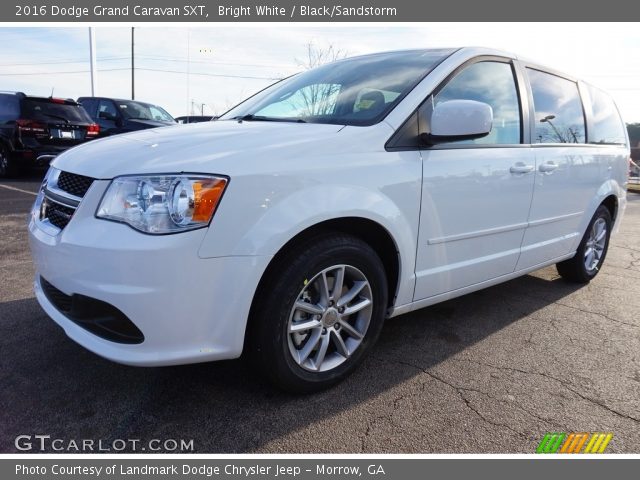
[[357, 191]]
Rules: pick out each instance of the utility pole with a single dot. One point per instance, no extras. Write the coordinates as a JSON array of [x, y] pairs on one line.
[[133, 90], [92, 60], [189, 106]]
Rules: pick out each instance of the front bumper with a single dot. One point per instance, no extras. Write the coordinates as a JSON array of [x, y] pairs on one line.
[[190, 309]]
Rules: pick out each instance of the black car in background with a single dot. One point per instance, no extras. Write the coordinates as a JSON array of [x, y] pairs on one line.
[[196, 118], [120, 116], [34, 130]]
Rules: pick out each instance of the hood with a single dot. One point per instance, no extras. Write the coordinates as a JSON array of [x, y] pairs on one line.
[[209, 147]]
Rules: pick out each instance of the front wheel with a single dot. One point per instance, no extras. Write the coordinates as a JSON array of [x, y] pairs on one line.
[[591, 252], [319, 311]]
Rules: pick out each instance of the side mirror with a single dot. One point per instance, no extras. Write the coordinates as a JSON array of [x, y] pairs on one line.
[[459, 120]]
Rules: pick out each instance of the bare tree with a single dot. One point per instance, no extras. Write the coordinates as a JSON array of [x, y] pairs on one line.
[[318, 55], [319, 99]]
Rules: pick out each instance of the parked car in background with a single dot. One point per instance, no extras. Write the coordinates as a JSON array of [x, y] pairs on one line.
[[195, 118], [34, 130], [120, 116], [293, 226], [634, 162]]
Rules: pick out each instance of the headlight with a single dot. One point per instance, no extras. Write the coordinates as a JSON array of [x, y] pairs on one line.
[[162, 203]]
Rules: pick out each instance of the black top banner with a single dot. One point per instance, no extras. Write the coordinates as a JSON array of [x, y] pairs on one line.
[[314, 11]]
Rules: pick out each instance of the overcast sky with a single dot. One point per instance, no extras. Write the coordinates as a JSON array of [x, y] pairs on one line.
[[183, 68]]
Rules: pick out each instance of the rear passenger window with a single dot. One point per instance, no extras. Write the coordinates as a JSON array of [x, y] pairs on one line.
[[492, 83], [559, 117], [607, 125]]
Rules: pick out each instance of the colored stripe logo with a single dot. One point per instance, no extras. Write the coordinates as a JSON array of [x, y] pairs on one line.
[[558, 442]]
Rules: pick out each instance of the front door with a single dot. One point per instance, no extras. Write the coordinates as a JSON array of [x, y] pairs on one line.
[[476, 194]]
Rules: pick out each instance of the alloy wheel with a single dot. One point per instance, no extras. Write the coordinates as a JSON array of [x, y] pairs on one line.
[[329, 318], [594, 248]]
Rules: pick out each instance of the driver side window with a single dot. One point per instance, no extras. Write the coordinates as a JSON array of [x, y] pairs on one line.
[[492, 83]]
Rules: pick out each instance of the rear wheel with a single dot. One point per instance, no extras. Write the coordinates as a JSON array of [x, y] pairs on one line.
[[317, 314], [592, 250]]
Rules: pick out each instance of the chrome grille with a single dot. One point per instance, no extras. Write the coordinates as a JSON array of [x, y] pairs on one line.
[[57, 214], [76, 185], [60, 195]]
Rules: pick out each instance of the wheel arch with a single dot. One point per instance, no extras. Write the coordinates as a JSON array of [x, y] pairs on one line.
[[610, 194], [611, 202], [369, 231]]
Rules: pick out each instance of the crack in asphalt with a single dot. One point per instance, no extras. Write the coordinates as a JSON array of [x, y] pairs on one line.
[[618, 275], [468, 404], [606, 317], [459, 390], [617, 289], [369, 425], [573, 341], [626, 248], [564, 383], [602, 315]]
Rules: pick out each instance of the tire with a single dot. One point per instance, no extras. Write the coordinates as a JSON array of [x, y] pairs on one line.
[[591, 252], [6, 167], [304, 337]]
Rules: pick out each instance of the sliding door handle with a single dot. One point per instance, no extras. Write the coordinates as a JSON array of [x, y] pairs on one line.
[[521, 167], [548, 167]]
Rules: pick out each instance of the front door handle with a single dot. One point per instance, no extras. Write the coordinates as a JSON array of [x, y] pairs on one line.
[[548, 167], [521, 167]]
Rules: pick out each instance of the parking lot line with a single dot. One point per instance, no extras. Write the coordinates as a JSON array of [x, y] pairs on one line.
[[19, 190]]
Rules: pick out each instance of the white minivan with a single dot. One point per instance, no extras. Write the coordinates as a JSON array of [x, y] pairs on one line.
[[291, 228]]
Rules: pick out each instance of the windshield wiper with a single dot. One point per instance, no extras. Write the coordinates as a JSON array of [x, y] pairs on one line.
[[260, 118], [66, 120]]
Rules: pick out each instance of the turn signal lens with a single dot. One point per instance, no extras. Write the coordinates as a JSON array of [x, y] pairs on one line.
[[207, 194]]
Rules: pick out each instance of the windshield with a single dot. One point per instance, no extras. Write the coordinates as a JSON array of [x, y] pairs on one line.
[[356, 91], [143, 111]]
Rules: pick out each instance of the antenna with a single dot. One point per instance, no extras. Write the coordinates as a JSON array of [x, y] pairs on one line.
[[51, 96]]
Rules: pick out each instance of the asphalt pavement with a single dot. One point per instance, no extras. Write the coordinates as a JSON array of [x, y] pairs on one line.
[[490, 372]]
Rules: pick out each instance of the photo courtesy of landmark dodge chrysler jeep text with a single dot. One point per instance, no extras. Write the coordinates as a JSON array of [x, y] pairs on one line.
[[290, 228]]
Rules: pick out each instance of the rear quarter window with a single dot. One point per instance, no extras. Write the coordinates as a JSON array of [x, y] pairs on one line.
[[607, 126]]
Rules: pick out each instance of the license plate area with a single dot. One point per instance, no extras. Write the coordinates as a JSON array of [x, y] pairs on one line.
[[65, 134]]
